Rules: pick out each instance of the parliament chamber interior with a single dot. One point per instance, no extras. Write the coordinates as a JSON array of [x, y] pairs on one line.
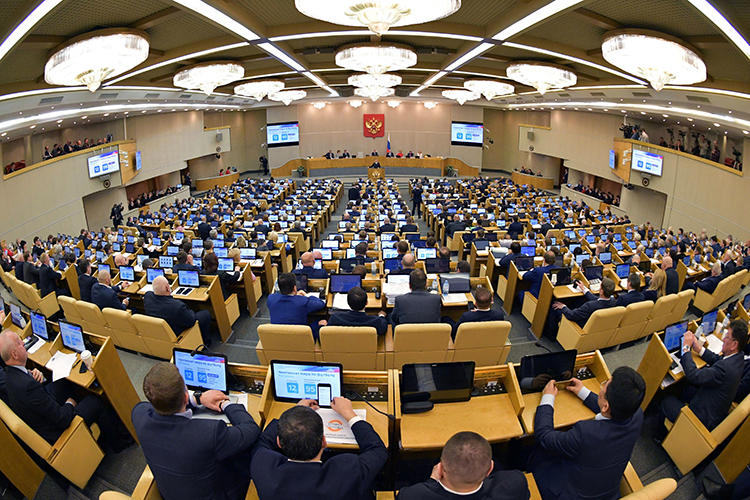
[[374, 249]]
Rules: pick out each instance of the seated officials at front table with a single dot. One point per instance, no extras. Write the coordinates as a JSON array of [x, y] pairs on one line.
[[419, 305], [482, 312], [308, 267], [356, 298], [179, 317], [287, 461], [712, 388], [103, 294], [49, 407], [85, 280], [291, 306], [588, 460], [465, 470], [215, 457]]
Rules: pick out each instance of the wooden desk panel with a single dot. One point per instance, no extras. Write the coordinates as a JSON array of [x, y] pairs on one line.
[[212, 182], [533, 180], [569, 409]]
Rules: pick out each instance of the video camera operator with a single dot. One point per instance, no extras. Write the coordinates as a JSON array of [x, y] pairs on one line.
[[116, 214]]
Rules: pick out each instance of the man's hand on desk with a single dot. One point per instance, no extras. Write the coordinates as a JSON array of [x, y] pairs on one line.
[[690, 339], [301, 292], [37, 375], [550, 388], [310, 403], [212, 399], [557, 305], [575, 386], [343, 407]]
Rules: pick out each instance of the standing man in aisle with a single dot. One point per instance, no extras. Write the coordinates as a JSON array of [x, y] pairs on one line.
[[416, 200]]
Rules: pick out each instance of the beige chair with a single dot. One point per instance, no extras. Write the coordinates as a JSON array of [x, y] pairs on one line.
[[660, 315], [31, 298], [75, 454], [92, 319], [595, 334], [127, 335], [160, 339], [355, 347], [658, 490], [286, 342], [633, 323], [688, 429], [484, 342], [420, 343], [70, 311], [681, 306]]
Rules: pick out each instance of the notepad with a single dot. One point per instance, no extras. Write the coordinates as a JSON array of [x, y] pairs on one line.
[[336, 429], [61, 364], [715, 344], [454, 298], [340, 302]]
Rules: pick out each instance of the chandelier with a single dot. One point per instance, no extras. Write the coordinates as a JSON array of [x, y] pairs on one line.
[[378, 15], [541, 76], [258, 90], [393, 103], [376, 80], [375, 59], [93, 57], [207, 76], [319, 105], [287, 96], [355, 103], [374, 93], [489, 88], [658, 58], [429, 104], [461, 96]]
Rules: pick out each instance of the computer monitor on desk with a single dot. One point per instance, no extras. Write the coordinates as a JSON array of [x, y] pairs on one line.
[[672, 336], [524, 263], [528, 251], [202, 371], [127, 273], [39, 325], [342, 283], [295, 380], [560, 276], [72, 336], [537, 369], [15, 316], [153, 273], [593, 272], [437, 382], [391, 264], [622, 270], [188, 278], [426, 253]]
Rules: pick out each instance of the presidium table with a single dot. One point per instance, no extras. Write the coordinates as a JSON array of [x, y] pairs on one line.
[[323, 167]]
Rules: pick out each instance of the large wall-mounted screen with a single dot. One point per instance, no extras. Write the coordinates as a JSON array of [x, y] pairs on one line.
[[282, 134], [467, 134], [648, 163], [104, 164]]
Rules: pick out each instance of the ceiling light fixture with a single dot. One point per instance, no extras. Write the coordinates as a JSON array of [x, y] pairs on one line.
[[377, 15], [541, 76], [91, 58], [392, 103], [287, 96], [461, 96], [258, 90], [376, 80], [658, 58], [429, 104], [26, 25], [375, 58], [489, 88], [374, 93], [319, 105], [209, 75], [355, 103]]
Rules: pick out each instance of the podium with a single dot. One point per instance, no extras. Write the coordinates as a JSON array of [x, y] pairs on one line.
[[375, 174]]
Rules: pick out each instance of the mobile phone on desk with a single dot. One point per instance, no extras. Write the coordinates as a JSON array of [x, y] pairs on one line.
[[324, 395]]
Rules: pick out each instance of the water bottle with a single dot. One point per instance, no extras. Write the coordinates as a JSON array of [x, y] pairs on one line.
[[373, 268], [446, 288]]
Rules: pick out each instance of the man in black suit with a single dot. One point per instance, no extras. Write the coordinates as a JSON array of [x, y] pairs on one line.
[[49, 409], [515, 228], [30, 270], [408, 263], [465, 470], [713, 387], [673, 279], [215, 457], [410, 226], [709, 283], [633, 294], [418, 306], [308, 267], [456, 225], [482, 312], [515, 251], [103, 294], [588, 460], [360, 254], [744, 388], [354, 192], [85, 280], [48, 278], [357, 300], [184, 262], [581, 315], [204, 228], [387, 226], [160, 304], [287, 459]]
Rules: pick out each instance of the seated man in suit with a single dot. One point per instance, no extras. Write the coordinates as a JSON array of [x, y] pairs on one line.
[[184, 262], [410, 226], [161, 304], [85, 280], [50, 408], [408, 263], [581, 315], [387, 226], [588, 460], [633, 294], [535, 276], [48, 278], [291, 306], [419, 305], [287, 458], [456, 225], [30, 270], [515, 251], [709, 283], [713, 387], [360, 254], [357, 300], [465, 470], [308, 267], [515, 228], [673, 279], [215, 457], [482, 312], [103, 294], [744, 389]]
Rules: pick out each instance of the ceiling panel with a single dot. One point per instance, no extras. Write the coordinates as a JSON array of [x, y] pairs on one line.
[[273, 13], [75, 17], [570, 30], [182, 29], [480, 12], [674, 17]]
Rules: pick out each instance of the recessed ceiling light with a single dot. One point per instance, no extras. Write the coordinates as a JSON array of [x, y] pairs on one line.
[[84, 117], [725, 132], [709, 128], [665, 116], [623, 111], [106, 114], [717, 125], [33, 127], [698, 106], [730, 111], [59, 121], [689, 119], [143, 111], [605, 109], [643, 112], [745, 132], [6, 133]]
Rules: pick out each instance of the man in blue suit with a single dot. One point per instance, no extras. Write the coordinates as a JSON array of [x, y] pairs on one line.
[[633, 294], [103, 294], [515, 251], [287, 459], [535, 276], [85, 280], [713, 387], [588, 460], [290, 306], [356, 298], [308, 268], [581, 315], [193, 458], [709, 283]]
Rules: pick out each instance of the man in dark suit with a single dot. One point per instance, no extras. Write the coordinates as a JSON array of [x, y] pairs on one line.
[[215, 457], [482, 312], [48, 278], [308, 268], [515, 251], [30, 270], [535, 276], [85, 280], [709, 283], [360, 254], [744, 388], [357, 300], [588, 460], [633, 294], [416, 200], [408, 263], [465, 470], [291, 306], [418, 306], [581, 315], [410, 227], [387, 226], [103, 294], [179, 317], [713, 387], [204, 228], [354, 192], [184, 263], [673, 279], [456, 225], [515, 228], [287, 458], [49, 409]]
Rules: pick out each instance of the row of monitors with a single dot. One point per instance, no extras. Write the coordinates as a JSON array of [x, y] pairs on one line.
[[342, 283], [72, 334]]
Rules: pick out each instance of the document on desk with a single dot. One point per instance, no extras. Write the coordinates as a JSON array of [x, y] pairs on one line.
[[61, 364], [340, 302], [255, 262], [454, 298], [715, 344], [573, 288], [336, 429], [37, 345]]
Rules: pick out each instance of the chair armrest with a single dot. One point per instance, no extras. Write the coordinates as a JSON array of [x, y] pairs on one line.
[[67, 435], [630, 481], [688, 429], [388, 339], [569, 333]]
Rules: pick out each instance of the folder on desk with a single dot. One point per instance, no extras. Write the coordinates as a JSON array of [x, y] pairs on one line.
[[335, 429], [340, 302]]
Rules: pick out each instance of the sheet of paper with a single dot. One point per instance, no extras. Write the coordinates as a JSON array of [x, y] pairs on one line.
[[336, 429], [61, 364], [37, 345], [714, 344], [147, 288], [256, 262], [339, 302], [454, 298], [573, 288]]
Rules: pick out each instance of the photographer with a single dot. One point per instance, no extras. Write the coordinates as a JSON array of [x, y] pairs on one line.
[[116, 214]]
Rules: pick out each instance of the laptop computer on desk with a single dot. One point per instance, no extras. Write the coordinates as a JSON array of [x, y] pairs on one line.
[[424, 384], [151, 274], [672, 338], [594, 276], [538, 369], [187, 281]]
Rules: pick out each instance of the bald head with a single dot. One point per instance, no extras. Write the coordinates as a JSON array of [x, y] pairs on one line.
[[308, 259], [666, 263], [104, 277], [408, 261], [11, 349], [120, 260], [161, 286]]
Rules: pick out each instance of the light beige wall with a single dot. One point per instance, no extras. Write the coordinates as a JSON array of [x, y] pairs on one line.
[[644, 205], [472, 155], [502, 128], [206, 166], [12, 151], [97, 206], [248, 136], [549, 166]]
